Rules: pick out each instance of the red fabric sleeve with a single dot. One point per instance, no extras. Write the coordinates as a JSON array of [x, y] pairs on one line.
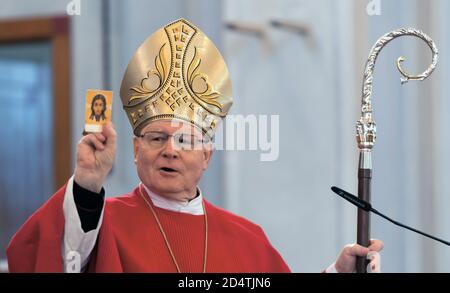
[[36, 246]]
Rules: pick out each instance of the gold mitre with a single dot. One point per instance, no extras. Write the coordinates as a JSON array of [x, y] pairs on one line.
[[177, 73]]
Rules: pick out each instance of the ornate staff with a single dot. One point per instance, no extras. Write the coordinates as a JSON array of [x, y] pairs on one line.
[[366, 127]]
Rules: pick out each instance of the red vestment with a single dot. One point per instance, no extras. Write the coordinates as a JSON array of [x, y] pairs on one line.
[[130, 240]]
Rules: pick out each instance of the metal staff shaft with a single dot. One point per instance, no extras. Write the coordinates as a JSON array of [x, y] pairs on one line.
[[366, 127], [364, 193]]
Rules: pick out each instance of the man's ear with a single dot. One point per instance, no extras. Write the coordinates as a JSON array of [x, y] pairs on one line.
[[135, 148], [207, 154]]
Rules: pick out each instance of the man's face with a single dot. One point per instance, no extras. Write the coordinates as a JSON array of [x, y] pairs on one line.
[[166, 169], [98, 107]]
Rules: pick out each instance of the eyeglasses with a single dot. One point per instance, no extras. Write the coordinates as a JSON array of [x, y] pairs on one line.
[[183, 141]]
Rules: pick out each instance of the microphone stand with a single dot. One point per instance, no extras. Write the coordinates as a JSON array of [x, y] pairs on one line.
[[366, 127]]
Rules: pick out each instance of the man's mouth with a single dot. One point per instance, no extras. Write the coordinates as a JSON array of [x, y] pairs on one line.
[[167, 169]]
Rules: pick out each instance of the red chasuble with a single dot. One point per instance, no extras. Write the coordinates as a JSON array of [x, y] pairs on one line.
[[130, 240]]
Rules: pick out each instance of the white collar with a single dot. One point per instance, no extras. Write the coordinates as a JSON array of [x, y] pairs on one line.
[[193, 207]]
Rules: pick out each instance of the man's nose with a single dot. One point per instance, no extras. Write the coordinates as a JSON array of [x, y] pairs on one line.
[[170, 149]]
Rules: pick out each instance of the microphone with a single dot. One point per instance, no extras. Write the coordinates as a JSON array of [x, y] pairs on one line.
[[364, 205]]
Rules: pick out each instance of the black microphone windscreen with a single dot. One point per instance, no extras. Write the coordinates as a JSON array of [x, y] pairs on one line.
[[351, 198]]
